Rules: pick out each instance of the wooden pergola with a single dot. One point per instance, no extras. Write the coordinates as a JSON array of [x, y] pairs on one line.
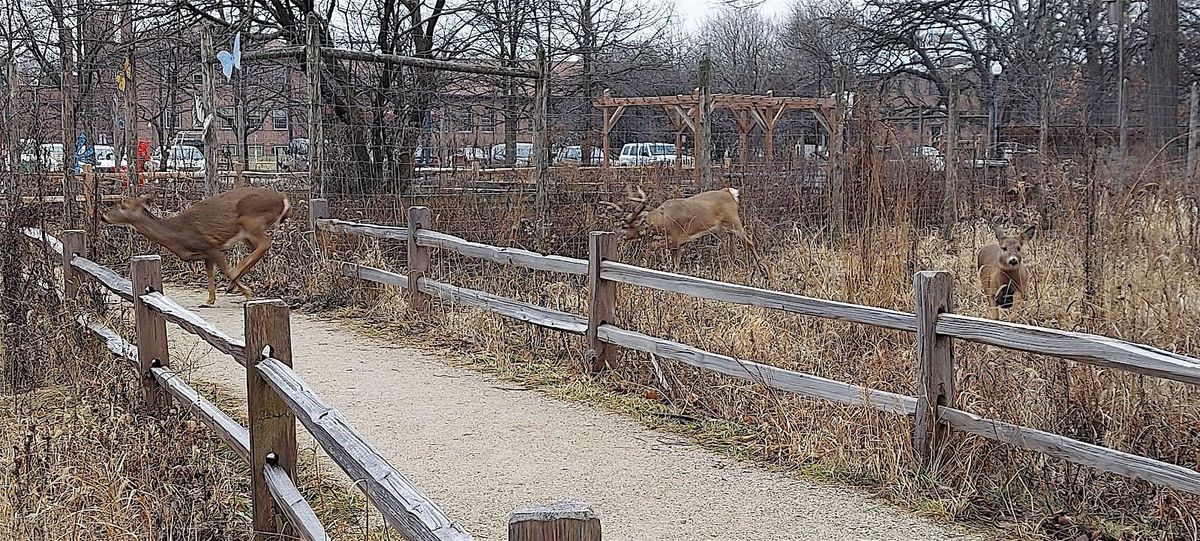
[[748, 110]]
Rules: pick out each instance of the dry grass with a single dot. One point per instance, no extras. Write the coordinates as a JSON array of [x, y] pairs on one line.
[[1133, 276]]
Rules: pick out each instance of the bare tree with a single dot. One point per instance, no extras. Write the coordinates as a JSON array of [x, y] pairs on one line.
[[745, 49]]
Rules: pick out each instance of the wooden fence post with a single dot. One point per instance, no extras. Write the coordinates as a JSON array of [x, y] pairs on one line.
[[238, 178], [602, 299], [272, 425], [418, 258], [318, 209], [145, 271], [935, 360], [74, 243], [567, 521]]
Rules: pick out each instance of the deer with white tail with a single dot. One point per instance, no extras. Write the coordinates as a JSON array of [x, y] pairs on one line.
[[678, 221], [205, 230]]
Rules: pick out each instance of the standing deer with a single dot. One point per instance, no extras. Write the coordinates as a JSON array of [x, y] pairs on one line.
[[1002, 274], [205, 230], [679, 221]]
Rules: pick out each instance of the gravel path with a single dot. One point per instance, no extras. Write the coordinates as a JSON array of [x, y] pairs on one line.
[[481, 448]]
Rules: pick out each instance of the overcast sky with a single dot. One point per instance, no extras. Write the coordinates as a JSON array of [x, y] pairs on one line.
[[693, 12]]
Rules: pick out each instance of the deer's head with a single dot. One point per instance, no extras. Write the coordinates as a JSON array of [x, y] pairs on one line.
[[633, 226], [128, 210], [1009, 256]]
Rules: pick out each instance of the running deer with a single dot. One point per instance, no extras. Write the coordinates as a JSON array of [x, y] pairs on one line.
[[1002, 273], [205, 230], [679, 221]]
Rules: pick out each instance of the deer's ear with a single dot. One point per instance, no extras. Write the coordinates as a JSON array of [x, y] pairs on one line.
[[999, 232], [1028, 233]]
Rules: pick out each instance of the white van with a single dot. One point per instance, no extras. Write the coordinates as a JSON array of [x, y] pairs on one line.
[[649, 153], [524, 155]]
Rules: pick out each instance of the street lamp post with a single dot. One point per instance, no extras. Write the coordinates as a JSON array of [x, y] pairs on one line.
[[993, 117]]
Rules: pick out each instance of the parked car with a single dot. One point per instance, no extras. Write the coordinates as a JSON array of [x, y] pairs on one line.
[[930, 156], [51, 156], [425, 157], [810, 151], [649, 153], [106, 160], [468, 155], [179, 158], [574, 155], [524, 155]]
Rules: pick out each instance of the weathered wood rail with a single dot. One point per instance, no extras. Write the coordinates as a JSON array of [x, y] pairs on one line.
[[278, 397], [934, 325]]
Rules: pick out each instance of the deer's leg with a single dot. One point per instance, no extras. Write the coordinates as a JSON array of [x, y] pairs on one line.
[[734, 225], [244, 267], [212, 283], [224, 265]]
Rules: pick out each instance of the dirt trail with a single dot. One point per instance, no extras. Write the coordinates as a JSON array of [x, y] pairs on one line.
[[481, 448]]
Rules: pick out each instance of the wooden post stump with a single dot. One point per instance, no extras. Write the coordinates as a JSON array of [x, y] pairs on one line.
[[272, 424], [935, 360], [73, 243], [318, 209], [145, 271], [418, 258], [602, 298], [564, 521], [239, 170]]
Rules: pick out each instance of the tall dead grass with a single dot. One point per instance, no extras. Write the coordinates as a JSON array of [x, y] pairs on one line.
[[1131, 274]]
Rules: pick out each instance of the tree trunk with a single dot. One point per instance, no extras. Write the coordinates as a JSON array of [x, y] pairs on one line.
[[1162, 91]]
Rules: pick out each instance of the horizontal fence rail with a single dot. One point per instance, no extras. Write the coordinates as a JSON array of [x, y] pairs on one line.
[[291, 502], [769, 376], [506, 256], [602, 271], [522, 311], [402, 505], [366, 230], [193, 323], [119, 285], [233, 434], [740, 294], [1081, 347], [1088, 454]]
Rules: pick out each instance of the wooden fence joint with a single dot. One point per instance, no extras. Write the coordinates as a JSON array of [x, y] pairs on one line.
[[74, 243], [318, 209], [602, 299], [145, 274], [418, 258], [271, 423], [934, 292]]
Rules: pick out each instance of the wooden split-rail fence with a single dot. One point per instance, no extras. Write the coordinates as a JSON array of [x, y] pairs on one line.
[[934, 324], [277, 396]]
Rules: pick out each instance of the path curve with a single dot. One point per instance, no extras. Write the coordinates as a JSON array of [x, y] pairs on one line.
[[482, 448]]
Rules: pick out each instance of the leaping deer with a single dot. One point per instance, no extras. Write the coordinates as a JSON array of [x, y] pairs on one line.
[[678, 221], [205, 230]]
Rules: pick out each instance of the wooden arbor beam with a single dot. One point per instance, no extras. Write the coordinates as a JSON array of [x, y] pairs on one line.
[[766, 110], [680, 120], [768, 117], [745, 123]]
